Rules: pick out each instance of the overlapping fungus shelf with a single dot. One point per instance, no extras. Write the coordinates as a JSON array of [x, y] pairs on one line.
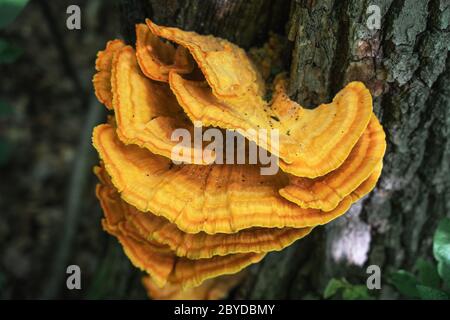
[[194, 226]]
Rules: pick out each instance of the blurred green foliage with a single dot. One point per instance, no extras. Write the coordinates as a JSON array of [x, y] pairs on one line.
[[430, 281], [9, 53], [9, 10], [341, 288]]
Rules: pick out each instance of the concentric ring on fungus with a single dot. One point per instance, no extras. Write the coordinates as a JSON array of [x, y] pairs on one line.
[[166, 268], [102, 78], [199, 245], [146, 111], [327, 191], [163, 265]]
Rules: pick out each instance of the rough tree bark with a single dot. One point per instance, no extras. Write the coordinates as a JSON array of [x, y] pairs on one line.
[[407, 67]]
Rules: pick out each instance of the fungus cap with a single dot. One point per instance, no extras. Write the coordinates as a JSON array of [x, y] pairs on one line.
[[327, 191], [218, 59], [212, 199], [193, 246], [103, 65], [147, 113], [163, 265], [166, 268], [156, 58], [212, 289], [311, 142]]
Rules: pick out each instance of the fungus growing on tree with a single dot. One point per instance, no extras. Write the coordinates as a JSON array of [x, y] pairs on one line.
[[196, 224]]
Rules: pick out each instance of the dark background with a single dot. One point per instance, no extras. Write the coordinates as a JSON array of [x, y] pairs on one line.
[[49, 216]]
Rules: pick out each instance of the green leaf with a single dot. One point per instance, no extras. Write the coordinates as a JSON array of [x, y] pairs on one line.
[[441, 249], [428, 275], [9, 53], [358, 292], [405, 282], [9, 10], [333, 287], [427, 293], [349, 291]]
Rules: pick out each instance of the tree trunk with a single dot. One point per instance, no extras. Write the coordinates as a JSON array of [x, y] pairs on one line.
[[245, 22], [407, 68]]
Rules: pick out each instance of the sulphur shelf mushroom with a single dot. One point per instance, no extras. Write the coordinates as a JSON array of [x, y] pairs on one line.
[[211, 289], [191, 245], [193, 227]]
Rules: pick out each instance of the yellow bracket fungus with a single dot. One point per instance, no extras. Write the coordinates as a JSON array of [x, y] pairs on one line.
[[146, 111], [166, 268], [193, 246], [161, 263], [212, 289], [191, 226], [103, 65], [327, 192], [211, 199], [312, 142], [156, 58]]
